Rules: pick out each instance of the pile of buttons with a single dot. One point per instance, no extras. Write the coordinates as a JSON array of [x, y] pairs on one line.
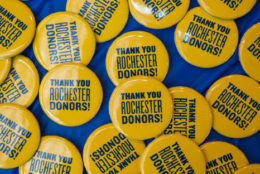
[[154, 129]]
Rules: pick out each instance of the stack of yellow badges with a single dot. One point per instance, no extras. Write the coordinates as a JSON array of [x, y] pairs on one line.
[[22, 84], [64, 37], [158, 14], [18, 29], [141, 108], [205, 41], [235, 101], [5, 66], [249, 52], [107, 18], [173, 154], [250, 169], [223, 157], [227, 9], [19, 135], [192, 115], [55, 155], [109, 151], [70, 94], [137, 53]]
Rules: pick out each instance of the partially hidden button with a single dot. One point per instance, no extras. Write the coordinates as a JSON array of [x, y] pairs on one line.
[[5, 66]]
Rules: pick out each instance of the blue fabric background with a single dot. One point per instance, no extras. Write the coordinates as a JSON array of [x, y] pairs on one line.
[[180, 74]]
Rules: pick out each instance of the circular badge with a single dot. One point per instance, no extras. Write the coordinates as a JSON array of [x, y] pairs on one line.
[[158, 14], [64, 37], [192, 115], [173, 154], [55, 155], [249, 52], [22, 84], [235, 101], [137, 53], [140, 105], [250, 169], [227, 9], [5, 66], [17, 29], [109, 151], [70, 94], [19, 135], [223, 157], [107, 18], [205, 41]]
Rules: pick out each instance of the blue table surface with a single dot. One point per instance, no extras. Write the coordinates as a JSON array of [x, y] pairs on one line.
[[180, 74]]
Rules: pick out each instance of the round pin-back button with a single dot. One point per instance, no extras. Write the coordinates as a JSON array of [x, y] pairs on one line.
[[18, 27], [141, 108], [107, 18], [22, 84], [249, 52], [5, 66], [192, 116], [137, 53], [19, 135], [227, 9], [235, 101], [55, 155], [223, 157], [173, 154], [158, 14], [64, 37], [121, 156], [70, 94], [250, 169], [205, 41]]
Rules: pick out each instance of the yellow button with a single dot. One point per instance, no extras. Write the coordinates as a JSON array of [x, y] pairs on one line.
[[158, 14], [141, 108], [18, 27], [137, 53], [227, 9], [235, 101], [205, 41], [109, 151], [64, 37], [192, 116], [223, 157], [55, 155], [172, 154], [22, 84], [70, 94], [5, 66], [250, 169], [107, 18], [249, 52], [19, 135]]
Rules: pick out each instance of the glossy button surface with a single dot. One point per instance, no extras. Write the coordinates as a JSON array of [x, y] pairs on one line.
[[5, 66], [250, 169], [136, 53], [223, 157], [227, 9], [173, 154], [249, 52], [55, 155], [192, 116], [64, 37], [19, 28], [235, 102], [20, 135], [107, 18], [158, 14], [119, 151], [22, 84], [205, 41], [141, 108], [70, 94]]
